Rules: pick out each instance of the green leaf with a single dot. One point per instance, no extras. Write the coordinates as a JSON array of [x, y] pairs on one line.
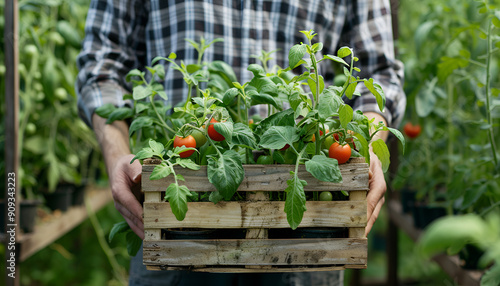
[[278, 158], [257, 70], [223, 70], [451, 230], [351, 88], [139, 123], [36, 144], [188, 163], [105, 110], [159, 90], [364, 150], [335, 59], [345, 115], [324, 169], [380, 149], [243, 136], [144, 153], [263, 98], [225, 129], [426, 99], [448, 65], [160, 171], [344, 52], [160, 70], [295, 204], [282, 118], [120, 114], [139, 92], [226, 173], [157, 147], [421, 35], [398, 135], [120, 227], [296, 54], [496, 19], [377, 91], [276, 137], [133, 243], [329, 102], [177, 198], [229, 96], [492, 276]]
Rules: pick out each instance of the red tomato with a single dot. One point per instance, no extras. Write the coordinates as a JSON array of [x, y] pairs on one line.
[[340, 152], [286, 147], [212, 133], [187, 141], [411, 130]]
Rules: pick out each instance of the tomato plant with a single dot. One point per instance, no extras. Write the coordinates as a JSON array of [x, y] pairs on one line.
[[188, 142], [340, 152], [412, 131], [199, 137]]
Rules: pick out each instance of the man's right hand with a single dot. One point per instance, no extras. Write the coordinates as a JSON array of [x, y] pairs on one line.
[[125, 181], [124, 177]]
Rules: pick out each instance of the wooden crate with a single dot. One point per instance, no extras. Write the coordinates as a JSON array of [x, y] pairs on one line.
[[256, 252]]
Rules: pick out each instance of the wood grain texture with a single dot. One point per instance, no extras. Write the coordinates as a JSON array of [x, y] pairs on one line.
[[328, 251], [256, 215], [263, 178], [271, 269]]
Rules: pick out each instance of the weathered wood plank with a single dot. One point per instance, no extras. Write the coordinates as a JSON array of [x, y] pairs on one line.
[[255, 215], [263, 178], [256, 252], [358, 196], [271, 269]]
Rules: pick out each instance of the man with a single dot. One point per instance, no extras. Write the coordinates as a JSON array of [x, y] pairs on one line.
[[122, 35]]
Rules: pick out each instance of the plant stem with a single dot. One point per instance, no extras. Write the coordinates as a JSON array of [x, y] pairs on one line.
[[164, 124], [118, 271], [488, 96]]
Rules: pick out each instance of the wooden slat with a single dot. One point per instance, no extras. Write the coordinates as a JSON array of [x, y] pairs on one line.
[[327, 251], [255, 215], [264, 178], [271, 269], [358, 232]]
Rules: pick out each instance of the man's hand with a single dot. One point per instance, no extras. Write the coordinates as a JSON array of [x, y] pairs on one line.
[[125, 182], [375, 197], [124, 177]]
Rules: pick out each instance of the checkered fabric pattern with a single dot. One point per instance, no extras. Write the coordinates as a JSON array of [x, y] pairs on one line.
[[123, 35]]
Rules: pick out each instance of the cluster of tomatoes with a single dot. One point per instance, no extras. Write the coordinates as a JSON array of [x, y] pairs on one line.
[[197, 139], [336, 150]]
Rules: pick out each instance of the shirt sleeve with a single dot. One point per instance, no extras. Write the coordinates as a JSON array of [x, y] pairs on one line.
[[113, 45], [369, 32]]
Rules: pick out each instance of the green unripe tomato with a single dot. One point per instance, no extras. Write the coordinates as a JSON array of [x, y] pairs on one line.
[[31, 50], [325, 196], [38, 86], [30, 128], [265, 160], [199, 138], [339, 80], [61, 94], [2, 70], [73, 160], [328, 142]]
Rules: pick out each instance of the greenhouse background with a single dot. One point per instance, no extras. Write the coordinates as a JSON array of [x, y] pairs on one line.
[[449, 167]]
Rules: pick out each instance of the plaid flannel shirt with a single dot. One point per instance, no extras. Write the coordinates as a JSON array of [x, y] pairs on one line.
[[128, 34]]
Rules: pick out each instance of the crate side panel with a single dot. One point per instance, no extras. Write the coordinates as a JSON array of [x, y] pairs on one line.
[[256, 252], [263, 214], [264, 178]]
